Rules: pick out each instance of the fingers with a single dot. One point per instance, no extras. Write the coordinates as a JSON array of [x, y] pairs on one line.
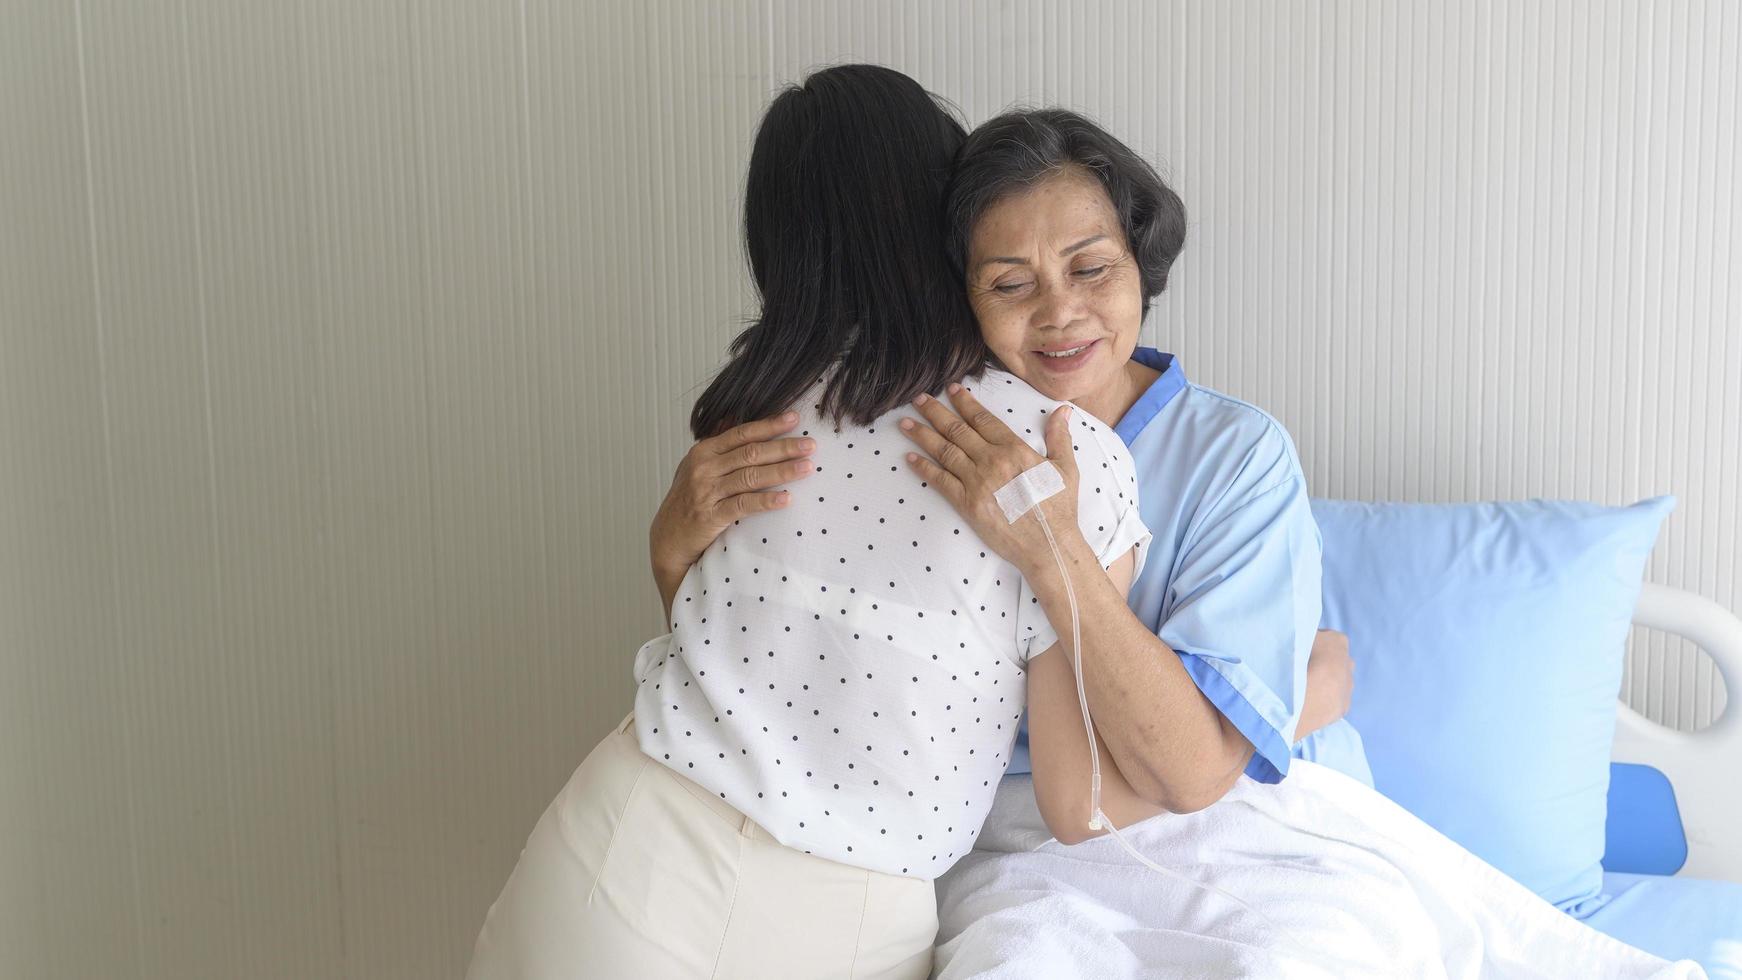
[[949, 425], [1058, 442], [760, 430], [752, 478], [988, 426], [745, 504], [756, 454], [1330, 642], [937, 476], [751, 466], [945, 452]]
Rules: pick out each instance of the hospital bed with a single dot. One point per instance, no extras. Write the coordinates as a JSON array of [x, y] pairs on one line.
[[1688, 817], [1674, 858], [1672, 868]]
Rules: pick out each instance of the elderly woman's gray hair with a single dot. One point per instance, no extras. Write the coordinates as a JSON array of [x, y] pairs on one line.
[[1013, 152]]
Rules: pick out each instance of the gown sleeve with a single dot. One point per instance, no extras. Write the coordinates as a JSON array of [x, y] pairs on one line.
[[1244, 602]]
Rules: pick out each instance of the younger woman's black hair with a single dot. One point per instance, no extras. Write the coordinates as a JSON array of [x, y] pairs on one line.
[[1016, 150], [844, 227]]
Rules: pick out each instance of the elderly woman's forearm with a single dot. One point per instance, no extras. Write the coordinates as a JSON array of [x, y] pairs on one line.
[[1172, 744], [1058, 748]]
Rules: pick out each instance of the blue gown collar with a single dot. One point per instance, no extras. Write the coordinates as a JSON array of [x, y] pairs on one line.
[[1161, 391]]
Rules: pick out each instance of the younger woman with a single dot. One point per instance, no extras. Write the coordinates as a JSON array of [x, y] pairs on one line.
[[821, 732]]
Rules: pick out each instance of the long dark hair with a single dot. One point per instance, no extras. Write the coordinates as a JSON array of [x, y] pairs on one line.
[[844, 227]]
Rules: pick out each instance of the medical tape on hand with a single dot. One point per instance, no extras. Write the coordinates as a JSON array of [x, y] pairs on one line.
[[1028, 488]]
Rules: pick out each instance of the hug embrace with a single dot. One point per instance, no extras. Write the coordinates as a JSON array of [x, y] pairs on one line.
[[864, 681]]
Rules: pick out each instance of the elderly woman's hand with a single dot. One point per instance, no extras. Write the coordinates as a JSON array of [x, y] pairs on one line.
[[721, 480], [1330, 683], [972, 455]]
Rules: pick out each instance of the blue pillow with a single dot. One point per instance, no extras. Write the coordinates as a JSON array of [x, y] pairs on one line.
[[1488, 641]]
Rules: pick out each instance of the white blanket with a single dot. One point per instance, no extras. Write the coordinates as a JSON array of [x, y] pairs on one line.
[[1345, 883]]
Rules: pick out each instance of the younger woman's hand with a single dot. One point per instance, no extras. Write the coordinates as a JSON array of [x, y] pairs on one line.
[[720, 480], [969, 457]]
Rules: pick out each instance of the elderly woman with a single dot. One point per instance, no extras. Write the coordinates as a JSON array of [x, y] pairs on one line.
[[1062, 236]]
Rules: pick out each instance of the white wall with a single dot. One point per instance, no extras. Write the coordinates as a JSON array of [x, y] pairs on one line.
[[345, 349]]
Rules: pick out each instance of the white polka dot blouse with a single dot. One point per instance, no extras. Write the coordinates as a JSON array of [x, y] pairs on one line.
[[849, 671]]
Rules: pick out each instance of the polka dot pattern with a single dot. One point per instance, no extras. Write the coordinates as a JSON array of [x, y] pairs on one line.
[[849, 671]]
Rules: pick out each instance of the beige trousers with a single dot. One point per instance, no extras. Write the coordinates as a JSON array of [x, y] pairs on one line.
[[635, 871]]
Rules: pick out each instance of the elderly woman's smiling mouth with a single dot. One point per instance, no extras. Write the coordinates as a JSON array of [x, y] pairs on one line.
[[1066, 357]]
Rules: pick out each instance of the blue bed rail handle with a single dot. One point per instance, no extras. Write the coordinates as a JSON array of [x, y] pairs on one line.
[[1644, 830]]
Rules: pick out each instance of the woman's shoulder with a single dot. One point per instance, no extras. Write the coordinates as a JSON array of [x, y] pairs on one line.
[[1233, 434], [1228, 413], [998, 384], [1014, 399]]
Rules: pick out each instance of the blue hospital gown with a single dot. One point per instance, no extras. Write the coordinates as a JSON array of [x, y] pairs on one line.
[[1231, 580]]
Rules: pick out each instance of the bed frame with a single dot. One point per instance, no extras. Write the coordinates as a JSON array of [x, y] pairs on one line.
[[1701, 772]]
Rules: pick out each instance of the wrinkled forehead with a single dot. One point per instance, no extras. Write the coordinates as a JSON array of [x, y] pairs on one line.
[[1052, 218]]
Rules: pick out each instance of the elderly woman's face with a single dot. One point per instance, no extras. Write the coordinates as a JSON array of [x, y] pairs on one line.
[[1054, 286]]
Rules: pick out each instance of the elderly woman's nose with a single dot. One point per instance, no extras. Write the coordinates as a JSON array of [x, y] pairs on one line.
[[1057, 304]]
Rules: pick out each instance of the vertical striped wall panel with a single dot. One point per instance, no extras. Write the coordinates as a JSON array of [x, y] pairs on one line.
[[346, 348]]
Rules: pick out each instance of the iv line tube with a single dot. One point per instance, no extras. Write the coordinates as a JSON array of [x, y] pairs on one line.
[[1097, 817]]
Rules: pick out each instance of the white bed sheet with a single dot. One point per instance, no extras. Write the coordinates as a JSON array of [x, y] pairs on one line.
[[1367, 889]]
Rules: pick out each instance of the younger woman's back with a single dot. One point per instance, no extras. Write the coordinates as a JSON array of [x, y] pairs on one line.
[[848, 671]]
